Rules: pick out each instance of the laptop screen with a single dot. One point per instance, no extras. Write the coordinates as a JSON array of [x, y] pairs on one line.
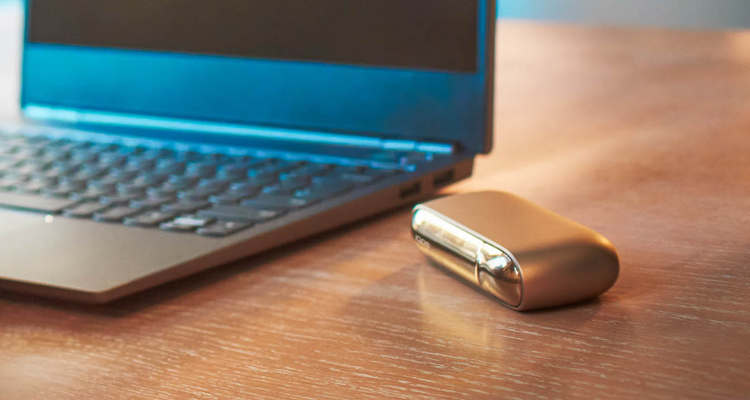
[[413, 34], [413, 70]]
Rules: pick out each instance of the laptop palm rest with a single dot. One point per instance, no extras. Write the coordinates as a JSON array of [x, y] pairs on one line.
[[86, 259]]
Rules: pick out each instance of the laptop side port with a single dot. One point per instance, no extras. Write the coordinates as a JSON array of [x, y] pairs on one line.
[[411, 190], [444, 178]]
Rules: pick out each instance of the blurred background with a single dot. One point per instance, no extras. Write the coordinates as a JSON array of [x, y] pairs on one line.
[[700, 14], [692, 14]]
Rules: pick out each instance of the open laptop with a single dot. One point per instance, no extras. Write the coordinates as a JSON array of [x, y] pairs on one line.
[[165, 137]]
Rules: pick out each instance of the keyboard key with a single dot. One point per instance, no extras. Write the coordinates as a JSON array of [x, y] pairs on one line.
[[174, 185], [263, 175], [46, 160], [213, 157], [128, 189], [141, 164], [158, 154], [90, 194], [73, 181], [57, 155], [246, 187], [287, 187], [116, 214], [102, 148], [6, 164], [141, 184], [34, 186], [6, 148], [369, 176], [103, 185], [240, 213], [81, 145], [8, 184], [186, 224], [256, 163], [42, 178], [170, 167], [81, 157], [112, 160], [50, 173], [120, 175], [64, 190], [352, 169], [184, 207], [415, 157], [202, 169], [188, 156], [236, 172], [107, 182], [403, 158], [182, 182], [119, 199], [278, 202], [85, 210], [133, 151], [322, 192], [25, 153], [90, 172], [151, 202], [25, 170], [149, 219], [164, 190], [64, 168], [227, 199], [59, 146], [306, 172], [201, 192], [34, 203], [235, 194], [273, 170], [355, 175], [216, 183], [261, 181], [41, 140], [223, 228]]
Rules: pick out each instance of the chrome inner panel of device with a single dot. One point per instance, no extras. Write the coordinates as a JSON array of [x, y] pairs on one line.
[[478, 262]]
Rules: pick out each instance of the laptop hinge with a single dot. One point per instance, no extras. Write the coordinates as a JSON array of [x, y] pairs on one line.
[[73, 116]]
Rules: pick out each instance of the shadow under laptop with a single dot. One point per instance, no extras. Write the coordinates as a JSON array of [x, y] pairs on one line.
[[161, 294], [202, 282]]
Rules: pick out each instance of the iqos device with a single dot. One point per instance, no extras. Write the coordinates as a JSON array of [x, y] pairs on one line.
[[523, 255]]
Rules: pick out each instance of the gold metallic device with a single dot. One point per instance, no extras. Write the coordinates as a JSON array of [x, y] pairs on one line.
[[523, 255]]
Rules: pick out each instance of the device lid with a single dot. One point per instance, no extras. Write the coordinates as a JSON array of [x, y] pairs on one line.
[[397, 70]]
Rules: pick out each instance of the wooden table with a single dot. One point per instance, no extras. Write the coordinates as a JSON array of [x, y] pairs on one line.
[[643, 135]]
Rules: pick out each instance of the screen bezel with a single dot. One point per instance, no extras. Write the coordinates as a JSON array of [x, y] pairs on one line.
[[397, 103]]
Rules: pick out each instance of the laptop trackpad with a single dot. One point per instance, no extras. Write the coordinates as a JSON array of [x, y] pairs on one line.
[[13, 222], [88, 256]]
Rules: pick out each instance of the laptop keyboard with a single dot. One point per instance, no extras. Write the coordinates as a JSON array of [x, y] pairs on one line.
[[212, 195]]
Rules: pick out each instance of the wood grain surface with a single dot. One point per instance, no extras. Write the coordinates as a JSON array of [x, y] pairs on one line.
[[644, 135]]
